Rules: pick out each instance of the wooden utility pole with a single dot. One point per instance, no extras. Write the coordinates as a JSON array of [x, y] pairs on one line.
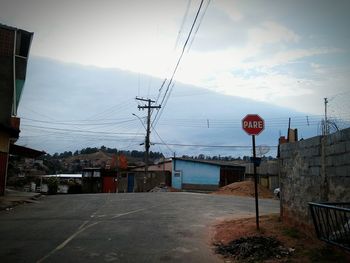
[[148, 106]]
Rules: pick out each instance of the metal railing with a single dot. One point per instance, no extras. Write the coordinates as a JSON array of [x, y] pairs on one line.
[[332, 223]]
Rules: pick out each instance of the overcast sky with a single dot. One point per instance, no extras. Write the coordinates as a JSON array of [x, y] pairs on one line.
[[288, 53]]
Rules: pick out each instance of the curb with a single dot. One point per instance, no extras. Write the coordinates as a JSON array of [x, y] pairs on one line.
[[12, 204]]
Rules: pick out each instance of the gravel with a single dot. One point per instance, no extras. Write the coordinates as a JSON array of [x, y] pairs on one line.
[[253, 249]]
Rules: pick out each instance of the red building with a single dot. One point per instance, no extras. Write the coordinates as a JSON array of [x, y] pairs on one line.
[[14, 51]]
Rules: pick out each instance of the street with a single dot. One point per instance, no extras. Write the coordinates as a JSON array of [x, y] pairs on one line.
[[140, 227]]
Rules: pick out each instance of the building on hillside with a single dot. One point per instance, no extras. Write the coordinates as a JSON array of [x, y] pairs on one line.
[[204, 175], [158, 174], [99, 180], [23, 166], [133, 179], [67, 183], [14, 50], [268, 173]]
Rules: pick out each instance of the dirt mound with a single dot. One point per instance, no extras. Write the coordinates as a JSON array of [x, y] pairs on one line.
[[242, 233], [245, 188], [253, 249]]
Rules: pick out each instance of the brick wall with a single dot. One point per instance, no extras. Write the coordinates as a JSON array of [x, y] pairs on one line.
[[314, 170]]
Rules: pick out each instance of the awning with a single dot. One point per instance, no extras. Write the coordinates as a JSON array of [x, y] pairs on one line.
[[24, 151]]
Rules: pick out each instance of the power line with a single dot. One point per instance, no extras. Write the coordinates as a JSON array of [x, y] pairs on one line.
[[72, 123], [77, 131], [199, 24], [179, 60], [183, 23], [211, 146], [171, 150]]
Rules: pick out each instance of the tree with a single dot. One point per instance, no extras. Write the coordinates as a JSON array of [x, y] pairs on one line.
[[52, 185]]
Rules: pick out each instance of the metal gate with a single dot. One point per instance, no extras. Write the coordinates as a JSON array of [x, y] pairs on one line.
[[332, 223]]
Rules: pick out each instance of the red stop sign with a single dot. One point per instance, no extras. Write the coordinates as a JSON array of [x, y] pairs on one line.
[[253, 124]]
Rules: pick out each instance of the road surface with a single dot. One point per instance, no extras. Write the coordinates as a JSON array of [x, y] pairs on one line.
[[134, 227]]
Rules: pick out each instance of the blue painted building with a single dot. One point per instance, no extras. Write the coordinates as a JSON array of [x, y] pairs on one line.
[[190, 174]]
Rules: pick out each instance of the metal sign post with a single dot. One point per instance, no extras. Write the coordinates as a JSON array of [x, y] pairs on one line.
[[253, 124], [255, 185]]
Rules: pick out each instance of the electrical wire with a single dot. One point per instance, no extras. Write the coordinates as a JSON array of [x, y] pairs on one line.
[[199, 24], [77, 131], [211, 146], [179, 60], [182, 23]]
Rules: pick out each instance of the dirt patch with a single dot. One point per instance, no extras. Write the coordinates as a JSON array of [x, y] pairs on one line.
[[253, 249], [245, 188], [294, 245]]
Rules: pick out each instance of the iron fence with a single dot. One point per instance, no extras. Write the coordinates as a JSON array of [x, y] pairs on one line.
[[332, 223]]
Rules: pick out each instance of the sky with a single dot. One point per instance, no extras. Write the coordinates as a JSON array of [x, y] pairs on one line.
[[286, 53]]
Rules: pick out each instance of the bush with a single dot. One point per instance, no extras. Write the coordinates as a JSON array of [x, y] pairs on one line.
[[52, 185]]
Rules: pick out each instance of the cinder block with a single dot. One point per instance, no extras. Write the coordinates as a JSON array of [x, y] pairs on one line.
[[315, 161], [347, 146], [339, 148], [311, 142], [316, 151], [285, 154], [284, 147], [330, 150], [330, 171], [338, 190], [314, 171], [345, 134], [341, 171], [334, 138], [329, 161], [310, 152], [342, 159]]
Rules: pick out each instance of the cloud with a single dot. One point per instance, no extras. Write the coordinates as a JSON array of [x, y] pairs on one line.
[[267, 88], [281, 58], [271, 32], [230, 8]]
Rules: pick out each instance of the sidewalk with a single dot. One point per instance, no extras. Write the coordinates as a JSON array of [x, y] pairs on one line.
[[13, 198]]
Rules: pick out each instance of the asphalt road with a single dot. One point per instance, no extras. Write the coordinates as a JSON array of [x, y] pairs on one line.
[[140, 227]]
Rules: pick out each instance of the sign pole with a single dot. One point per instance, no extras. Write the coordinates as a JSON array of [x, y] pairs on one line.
[[253, 124], [255, 185]]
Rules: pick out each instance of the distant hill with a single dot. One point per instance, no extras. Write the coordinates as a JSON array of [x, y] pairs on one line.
[[103, 157]]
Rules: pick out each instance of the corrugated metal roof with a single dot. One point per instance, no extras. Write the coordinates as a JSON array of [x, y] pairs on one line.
[[25, 151], [63, 175], [211, 162]]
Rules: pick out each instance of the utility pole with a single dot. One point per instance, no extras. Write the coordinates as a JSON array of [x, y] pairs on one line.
[[147, 106], [325, 132]]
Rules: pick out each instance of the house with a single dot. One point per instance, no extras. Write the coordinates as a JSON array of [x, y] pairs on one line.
[[158, 174], [14, 51], [67, 183], [204, 175], [268, 173], [99, 180]]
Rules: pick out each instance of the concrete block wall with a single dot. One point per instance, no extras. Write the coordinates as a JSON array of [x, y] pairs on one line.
[[337, 166], [314, 170]]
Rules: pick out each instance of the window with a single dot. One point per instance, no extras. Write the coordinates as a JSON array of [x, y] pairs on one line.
[[23, 43], [97, 174], [177, 173]]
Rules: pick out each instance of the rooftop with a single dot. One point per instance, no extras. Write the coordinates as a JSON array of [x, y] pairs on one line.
[[213, 162]]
